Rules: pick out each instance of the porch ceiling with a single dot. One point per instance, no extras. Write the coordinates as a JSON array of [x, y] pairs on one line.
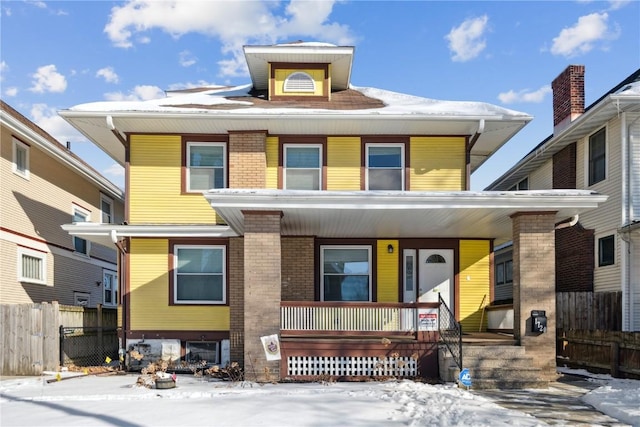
[[363, 214]]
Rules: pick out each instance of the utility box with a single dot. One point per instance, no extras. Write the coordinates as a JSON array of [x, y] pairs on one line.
[[538, 321]]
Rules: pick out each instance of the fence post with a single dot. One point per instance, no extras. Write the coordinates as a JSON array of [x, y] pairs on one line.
[[100, 343], [615, 357], [61, 346]]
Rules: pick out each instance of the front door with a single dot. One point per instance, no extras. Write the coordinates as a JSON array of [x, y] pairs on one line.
[[434, 275]]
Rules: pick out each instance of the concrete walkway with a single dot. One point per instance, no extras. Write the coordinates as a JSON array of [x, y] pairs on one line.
[[560, 404]]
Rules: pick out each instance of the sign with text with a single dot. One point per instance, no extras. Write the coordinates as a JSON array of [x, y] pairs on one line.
[[427, 319]]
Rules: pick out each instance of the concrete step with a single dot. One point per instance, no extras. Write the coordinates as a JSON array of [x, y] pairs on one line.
[[504, 373], [492, 351], [493, 362], [484, 384]]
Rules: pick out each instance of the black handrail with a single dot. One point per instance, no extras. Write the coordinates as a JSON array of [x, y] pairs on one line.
[[450, 331]]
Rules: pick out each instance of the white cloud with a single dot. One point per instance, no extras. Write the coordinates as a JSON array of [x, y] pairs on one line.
[[525, 95], [466, 41], [11, 91], [583, 35], [48, 119], [47, 79], [618, 4], [187, 59], [115, 170], [139, 93], [253, 22], [108, 74]]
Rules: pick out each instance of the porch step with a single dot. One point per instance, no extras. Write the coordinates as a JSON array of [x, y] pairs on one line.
[[493, 366]]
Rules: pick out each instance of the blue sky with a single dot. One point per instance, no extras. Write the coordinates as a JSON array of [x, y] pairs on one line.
[[57, 54]]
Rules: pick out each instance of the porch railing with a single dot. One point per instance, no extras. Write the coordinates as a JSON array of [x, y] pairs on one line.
[[450, 331], [344, 318]]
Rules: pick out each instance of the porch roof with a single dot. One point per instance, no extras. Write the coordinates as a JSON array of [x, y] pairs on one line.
[[376, 214]]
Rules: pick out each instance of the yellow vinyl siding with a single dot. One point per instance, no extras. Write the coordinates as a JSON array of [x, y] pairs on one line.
[[272, 162], [474, 282], [281, 75], [343, 163], [155, 184], [387, 271], [437, 163], [149, 287]]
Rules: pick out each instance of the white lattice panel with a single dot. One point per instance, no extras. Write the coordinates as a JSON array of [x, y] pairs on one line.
[[352, 366]]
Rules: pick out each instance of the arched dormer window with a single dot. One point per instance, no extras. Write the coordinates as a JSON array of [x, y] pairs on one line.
[[299, 82]]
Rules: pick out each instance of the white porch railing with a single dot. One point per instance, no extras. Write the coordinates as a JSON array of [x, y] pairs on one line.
[[349, 317]]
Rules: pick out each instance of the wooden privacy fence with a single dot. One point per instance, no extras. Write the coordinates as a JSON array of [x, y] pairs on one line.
[[589, 311], [30, 334]]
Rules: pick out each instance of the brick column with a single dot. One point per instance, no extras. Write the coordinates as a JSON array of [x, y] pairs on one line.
[[236, 299], [534, 285], [247, 159], [262, 291]]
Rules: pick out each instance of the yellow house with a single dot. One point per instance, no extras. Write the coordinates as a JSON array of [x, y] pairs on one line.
[[302, 226]]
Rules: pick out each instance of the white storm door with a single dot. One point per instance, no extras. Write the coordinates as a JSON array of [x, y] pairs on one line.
[[435, 275]]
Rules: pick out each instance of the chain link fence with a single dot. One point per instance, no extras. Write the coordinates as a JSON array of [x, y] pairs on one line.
[[89, 346]]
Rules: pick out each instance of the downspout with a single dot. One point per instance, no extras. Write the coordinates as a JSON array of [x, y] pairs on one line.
[[121, 254], [470, 145], [574, 221], [115, 131]]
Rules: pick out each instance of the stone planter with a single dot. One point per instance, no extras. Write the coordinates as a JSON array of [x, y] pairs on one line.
[[165, 383]]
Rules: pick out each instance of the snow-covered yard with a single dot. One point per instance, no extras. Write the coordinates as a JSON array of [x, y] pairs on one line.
[[115, 400]]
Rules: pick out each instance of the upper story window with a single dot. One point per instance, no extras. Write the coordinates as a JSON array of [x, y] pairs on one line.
[[597, 157], [106, 209], [606, 251], [521, 186], [206, 165], [345, 273], [110, 288], [20, 158], [299, 82], [199, 274], [302, 167], [32, 266], [385, 166], [80, 245]]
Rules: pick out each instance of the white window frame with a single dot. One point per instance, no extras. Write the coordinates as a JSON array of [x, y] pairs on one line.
[[401, 168], [587, 175], [359, 247], [106, 199], [113, 290], [87, 215], [284, 162], [17, 146], [290, 86], [42, 256], [188, 166], [176, 301]]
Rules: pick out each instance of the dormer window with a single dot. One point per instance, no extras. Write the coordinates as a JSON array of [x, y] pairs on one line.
[[299, 82]]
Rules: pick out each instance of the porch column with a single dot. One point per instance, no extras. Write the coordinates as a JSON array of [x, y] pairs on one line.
[[534, 285], [262, 291]]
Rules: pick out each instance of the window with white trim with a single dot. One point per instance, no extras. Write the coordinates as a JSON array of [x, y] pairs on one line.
[[385, 166], [206, 165], [106, 209], [302, 167], [80, 245], [606, 250], [199, 274], [521, 185], [597, 157], [109, 288], [299, 82], [20, 158], [32, 266], [345, 273]]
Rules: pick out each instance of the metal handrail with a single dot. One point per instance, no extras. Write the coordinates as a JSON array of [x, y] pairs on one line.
[[450, 331]]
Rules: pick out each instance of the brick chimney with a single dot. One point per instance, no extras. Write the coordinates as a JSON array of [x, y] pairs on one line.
[[568, 96]]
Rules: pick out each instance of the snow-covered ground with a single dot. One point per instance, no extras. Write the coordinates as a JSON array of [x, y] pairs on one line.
[[115, 400]]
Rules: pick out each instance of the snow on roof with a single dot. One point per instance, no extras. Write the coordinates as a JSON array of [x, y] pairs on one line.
[[632, 89], [395, 104]]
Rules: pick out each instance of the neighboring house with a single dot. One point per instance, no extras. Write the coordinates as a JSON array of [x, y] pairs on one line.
[[597, 148], [45, 185], [316, 216]]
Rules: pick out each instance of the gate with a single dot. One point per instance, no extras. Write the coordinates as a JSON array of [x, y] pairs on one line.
[[89, 346]]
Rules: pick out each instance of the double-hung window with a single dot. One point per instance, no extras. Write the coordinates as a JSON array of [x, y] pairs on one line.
[[302, 167], [521, 185], [346, 273], [199, 274], [597, 157], [110, 287], [606, 251], [20, 158], [80, 246], [206, 166], [385, 166], [32, 266], [106, 208]]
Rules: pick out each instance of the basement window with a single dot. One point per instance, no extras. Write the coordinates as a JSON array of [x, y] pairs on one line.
[[202, 352], [299, 82]]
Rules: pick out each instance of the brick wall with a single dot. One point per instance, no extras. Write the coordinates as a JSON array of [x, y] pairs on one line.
[[534, 285], [568, 94], [247, 159], [574, 259], [564, 168], [236, 299], [298, 277], [262, 291]]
